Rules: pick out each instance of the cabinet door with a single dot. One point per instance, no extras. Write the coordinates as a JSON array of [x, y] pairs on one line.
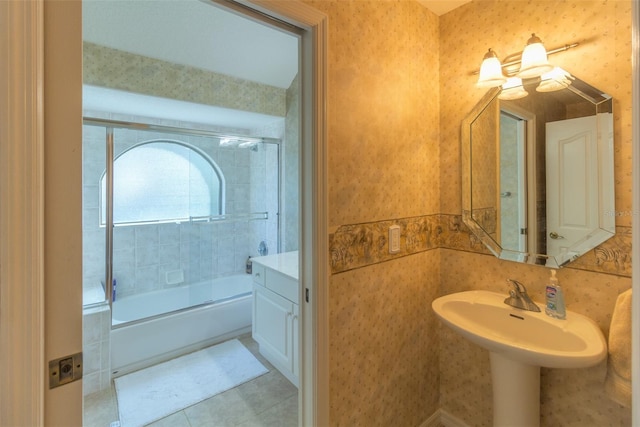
[[272, 326]]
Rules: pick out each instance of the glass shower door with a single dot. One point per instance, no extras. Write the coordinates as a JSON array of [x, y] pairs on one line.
[[188, 211], [93, 234]]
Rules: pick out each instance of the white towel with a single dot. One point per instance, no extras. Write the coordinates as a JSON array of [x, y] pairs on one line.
[[618, 379]]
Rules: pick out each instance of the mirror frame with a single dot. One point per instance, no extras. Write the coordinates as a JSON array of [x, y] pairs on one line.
[[606, 219]]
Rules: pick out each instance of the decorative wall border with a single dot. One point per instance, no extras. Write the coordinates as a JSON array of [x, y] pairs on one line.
[[359, 245]]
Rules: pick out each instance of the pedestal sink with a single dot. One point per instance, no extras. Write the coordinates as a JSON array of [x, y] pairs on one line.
[[520, 342]]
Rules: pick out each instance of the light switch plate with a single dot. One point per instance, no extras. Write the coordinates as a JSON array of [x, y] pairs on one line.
[[394, 239]]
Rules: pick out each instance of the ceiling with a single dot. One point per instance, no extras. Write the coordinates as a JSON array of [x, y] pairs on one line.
[[194, 33], [203, 35], [199, 34], [440, 7]]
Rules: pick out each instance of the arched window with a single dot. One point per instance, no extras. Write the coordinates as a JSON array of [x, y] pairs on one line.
[[163, 180]]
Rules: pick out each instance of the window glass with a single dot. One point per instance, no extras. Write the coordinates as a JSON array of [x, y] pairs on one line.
[[163, 181]]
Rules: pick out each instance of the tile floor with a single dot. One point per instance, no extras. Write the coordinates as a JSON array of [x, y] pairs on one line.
[[269, 400]]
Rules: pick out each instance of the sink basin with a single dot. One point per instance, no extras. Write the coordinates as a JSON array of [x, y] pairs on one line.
[[524, 336], [519, 343]]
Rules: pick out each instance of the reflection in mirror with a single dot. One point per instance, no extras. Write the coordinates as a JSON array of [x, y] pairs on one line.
[[538, 181]]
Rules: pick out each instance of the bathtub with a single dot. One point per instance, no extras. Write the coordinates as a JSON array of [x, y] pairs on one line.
[[143, 336]]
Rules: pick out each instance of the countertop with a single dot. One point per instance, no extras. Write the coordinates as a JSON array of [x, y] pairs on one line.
[[286, 263]]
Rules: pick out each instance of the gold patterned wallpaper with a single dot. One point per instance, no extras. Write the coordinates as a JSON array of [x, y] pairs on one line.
[[568, 397], [383, 163], [399, 87]]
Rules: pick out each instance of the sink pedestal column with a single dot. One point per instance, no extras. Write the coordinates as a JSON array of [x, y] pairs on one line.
[[516, 392]]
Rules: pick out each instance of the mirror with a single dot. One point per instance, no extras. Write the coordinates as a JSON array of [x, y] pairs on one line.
[[537, 170]]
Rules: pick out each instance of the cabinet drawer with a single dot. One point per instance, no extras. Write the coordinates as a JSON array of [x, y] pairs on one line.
[[282, 285], [258, 273]]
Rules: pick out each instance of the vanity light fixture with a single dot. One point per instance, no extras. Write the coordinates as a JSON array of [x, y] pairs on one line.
[[491, 71], [533, 62]]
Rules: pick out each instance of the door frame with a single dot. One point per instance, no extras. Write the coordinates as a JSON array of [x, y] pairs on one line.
[[25, 343]]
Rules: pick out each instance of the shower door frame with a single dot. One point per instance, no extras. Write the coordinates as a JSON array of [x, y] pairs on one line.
[[110, 126]]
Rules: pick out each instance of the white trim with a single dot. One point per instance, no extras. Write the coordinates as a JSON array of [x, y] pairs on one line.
[[314, 237], [22, 346], [635, 311]]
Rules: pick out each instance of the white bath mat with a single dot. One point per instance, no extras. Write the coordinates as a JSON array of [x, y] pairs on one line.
[[153, 393]]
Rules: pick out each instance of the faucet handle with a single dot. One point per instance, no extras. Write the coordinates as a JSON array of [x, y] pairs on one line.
[[519, 287]]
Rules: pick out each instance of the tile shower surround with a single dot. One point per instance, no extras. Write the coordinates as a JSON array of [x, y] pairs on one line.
[[185, 245], [144, 254]]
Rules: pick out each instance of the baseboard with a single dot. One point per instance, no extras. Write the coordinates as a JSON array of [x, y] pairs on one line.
[[443, 418]]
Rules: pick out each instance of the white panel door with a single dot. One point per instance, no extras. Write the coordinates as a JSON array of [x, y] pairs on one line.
[[572, 181]]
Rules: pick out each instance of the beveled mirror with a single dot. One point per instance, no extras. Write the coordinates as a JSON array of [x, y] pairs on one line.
[[537, 170]]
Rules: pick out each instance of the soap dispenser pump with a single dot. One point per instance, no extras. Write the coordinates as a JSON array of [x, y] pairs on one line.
[[555, 299]]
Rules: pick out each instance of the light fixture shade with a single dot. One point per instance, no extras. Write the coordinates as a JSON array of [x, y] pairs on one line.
[[513, 89], [491, 71], [534, 61], [555, 79]]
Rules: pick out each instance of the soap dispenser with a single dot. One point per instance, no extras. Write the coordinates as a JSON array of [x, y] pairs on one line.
[[555, 298]]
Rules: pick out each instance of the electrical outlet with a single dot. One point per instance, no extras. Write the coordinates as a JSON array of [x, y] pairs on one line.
[[65, 370]]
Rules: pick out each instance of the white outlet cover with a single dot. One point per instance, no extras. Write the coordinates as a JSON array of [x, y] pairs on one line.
[[394, 239]]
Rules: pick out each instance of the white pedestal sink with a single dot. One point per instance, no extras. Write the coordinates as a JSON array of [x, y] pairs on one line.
[[520, 342]]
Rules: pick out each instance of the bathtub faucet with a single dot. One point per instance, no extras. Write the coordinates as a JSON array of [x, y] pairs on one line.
[[262, 249], [519, 298]]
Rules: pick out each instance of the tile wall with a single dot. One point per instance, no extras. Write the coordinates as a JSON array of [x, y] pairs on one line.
[[144, 254], [201, 251], [96, 349]]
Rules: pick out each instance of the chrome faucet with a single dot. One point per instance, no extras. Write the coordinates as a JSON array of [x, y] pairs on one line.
[[519, 298]]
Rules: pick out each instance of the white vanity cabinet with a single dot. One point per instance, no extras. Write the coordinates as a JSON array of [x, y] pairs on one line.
[[275, 312]]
